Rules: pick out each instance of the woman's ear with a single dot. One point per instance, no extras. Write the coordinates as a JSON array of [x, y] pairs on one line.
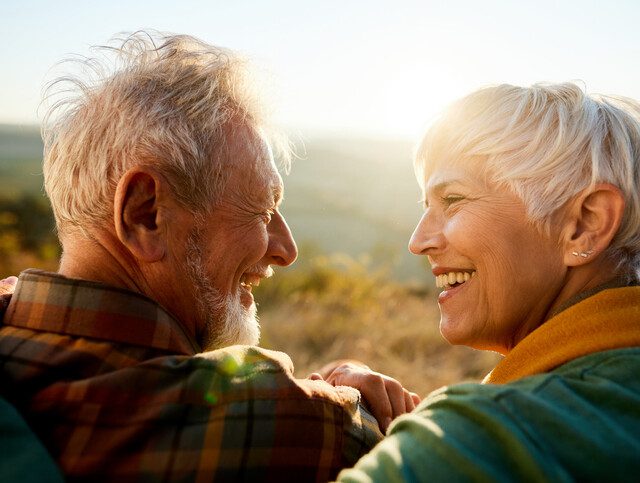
[[592, 220], [138, 214]]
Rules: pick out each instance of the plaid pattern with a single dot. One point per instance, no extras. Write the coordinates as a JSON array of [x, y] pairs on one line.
[[115, 389]]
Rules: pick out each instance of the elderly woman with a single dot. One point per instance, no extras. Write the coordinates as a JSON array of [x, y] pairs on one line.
[[532, 230]]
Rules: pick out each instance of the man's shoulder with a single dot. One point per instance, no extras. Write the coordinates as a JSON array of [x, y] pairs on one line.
[[240, 400], [267, 374]]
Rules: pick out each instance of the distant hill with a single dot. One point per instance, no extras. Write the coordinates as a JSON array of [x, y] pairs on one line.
[[357, 196], [20, 159], [351, 195]]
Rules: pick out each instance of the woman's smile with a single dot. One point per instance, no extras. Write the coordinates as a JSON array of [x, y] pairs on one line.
[[454, 284]]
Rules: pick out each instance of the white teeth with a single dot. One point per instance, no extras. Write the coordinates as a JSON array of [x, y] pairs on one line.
[[250, 280], [446, 279]]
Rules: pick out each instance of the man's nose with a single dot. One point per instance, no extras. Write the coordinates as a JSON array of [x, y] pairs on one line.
[[282, 247], [427, 235]]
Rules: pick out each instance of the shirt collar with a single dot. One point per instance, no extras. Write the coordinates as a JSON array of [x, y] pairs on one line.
[[608, 320], [50, 302]]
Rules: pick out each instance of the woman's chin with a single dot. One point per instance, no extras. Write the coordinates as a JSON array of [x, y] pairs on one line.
[[452, 332], [459, 332], [460, 335]]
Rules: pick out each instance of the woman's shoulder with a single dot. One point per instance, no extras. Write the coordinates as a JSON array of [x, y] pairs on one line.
[[614, 373], [590, 403], [580, 421]]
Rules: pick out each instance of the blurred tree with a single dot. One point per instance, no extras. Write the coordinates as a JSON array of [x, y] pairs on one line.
[[27, 234]]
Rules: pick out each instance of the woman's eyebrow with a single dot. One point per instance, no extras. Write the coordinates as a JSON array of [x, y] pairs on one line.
[[436, 188]]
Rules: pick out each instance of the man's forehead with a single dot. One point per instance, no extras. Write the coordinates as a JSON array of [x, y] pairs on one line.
[[256, 147], [255, 165], [266, 165], [276, 186]]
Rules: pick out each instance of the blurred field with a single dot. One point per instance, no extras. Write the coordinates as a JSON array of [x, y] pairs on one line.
[[355, 292], [337, 307]]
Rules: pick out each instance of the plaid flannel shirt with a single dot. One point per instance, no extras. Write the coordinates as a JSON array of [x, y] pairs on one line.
[[116, 390]]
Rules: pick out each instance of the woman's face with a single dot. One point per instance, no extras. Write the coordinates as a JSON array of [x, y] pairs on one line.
[[479, 234]]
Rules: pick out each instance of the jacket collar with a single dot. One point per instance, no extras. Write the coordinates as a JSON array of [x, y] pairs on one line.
[[610, 319]]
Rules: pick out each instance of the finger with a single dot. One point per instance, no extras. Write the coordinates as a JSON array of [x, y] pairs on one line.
[[314, 376], [375, 394], [341, 365], [395, 392], [335, 375], [7, 286], [416, 399], [408, 401]]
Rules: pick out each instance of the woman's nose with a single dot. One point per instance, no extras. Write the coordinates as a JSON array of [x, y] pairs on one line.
[[427, 235]]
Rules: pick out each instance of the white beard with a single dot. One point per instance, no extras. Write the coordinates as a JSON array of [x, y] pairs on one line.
[[226, 321]]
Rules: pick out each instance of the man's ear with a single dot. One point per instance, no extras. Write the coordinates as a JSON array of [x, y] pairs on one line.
[[593, 219], [137, 217]]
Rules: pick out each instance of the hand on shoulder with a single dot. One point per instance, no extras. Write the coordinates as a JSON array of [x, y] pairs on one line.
[[7, 286], [384, 396]]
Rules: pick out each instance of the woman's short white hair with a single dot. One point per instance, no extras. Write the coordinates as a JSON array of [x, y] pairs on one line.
[[546, 143], [170, 101]]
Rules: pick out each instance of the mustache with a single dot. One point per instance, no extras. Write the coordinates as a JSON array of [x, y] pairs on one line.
[[264, 272]]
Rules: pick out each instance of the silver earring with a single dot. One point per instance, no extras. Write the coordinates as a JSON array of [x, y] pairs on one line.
[[586, 254]]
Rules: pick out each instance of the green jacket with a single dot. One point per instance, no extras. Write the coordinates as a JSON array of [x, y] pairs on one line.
[[563, 405], [23, 458], [580, 422]]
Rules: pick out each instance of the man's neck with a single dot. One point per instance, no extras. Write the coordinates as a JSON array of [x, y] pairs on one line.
[[100, 259]]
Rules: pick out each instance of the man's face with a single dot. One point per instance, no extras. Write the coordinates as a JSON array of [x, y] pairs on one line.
[[232, 248]]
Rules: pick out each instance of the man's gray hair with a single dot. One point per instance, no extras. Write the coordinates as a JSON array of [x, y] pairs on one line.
[[168, 101]]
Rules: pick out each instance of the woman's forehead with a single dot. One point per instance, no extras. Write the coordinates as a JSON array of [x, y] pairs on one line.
[[467, 172]]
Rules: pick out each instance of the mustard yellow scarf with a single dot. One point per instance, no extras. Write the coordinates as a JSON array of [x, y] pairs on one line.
[[607, 320]]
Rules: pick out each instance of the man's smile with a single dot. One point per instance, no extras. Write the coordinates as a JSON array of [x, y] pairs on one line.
[[252, 278]]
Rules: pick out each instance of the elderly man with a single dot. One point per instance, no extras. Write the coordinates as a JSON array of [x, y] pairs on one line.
[[166, 198]]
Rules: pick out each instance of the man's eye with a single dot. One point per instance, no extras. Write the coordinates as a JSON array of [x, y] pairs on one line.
[[267, 216], [451, 199]]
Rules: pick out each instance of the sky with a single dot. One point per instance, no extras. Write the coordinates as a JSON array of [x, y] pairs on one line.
[[349, 67]]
